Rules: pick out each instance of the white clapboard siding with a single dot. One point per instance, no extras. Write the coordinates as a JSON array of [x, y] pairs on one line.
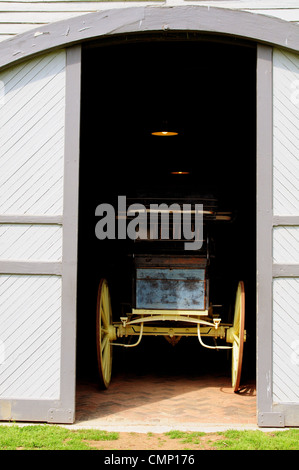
[[43, 17], [247, 4], [286, 340], [240, 4], [32, 114], [17, 17], [286, 138], [282, 13], [286, 245], [24, 242], [30, 334]]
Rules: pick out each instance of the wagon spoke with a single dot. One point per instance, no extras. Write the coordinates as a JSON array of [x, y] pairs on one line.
[[104, 321], [106, 360], [105, 349], [237, 336], [104, 317], [104, 342], [237, 339], [106, 307]]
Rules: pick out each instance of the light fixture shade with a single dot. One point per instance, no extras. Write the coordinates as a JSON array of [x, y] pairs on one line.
[[166, 129], [165, 133]]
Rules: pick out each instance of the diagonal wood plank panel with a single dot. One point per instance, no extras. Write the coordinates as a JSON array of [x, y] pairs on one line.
[[30, 242], [32, 136], [286, 245], [285, 129], [30, 332], [286, 340]]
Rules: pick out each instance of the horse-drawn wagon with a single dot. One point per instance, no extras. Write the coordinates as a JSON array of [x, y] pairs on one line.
[[171, 299]]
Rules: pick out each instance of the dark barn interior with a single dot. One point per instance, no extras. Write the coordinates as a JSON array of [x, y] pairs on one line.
[[205, 90]]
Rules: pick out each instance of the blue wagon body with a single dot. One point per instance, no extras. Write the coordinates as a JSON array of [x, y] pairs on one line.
[[174, 289], [171, 283]]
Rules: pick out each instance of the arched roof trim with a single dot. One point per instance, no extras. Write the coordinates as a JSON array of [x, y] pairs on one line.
[[209, 20]]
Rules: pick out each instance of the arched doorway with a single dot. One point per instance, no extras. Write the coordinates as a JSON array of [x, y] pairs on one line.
[[69, 36], [206, 90]]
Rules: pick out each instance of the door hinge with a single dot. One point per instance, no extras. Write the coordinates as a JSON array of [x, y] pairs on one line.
[[271, 419], [60, 415]]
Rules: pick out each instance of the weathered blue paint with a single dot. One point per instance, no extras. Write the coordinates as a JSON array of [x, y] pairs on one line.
[[170, 289], [179, 274]]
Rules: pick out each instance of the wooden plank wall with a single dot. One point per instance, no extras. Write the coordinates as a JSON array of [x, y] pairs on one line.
[[286, 139], [29, 242], [31, 189], [286, 340], [286, 238], [19, 16], [30, 334], [32, 137]]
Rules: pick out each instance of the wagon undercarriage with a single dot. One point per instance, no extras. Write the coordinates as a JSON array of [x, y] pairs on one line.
[[156, 285]]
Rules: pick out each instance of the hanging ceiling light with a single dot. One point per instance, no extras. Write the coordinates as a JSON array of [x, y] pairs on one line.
[[166, 132]]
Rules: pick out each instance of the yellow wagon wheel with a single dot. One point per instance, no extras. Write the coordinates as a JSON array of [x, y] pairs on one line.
[[236, 336], [104, 334]]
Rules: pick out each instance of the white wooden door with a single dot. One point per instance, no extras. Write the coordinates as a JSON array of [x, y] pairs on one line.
[[32, 150], [286, 228]]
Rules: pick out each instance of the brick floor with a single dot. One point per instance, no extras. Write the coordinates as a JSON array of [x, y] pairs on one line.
[[166, 400]]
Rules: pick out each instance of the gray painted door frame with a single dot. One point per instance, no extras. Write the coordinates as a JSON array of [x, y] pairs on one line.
[[265, 32], [264, 126], [70, 237]]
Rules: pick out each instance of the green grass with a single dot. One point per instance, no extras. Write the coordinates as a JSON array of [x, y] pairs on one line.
[[243, 440], [45, 437], [186, 437], [259, 440], [51, 437]]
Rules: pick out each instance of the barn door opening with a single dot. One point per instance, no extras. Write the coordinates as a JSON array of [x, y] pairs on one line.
[[205, 91]]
